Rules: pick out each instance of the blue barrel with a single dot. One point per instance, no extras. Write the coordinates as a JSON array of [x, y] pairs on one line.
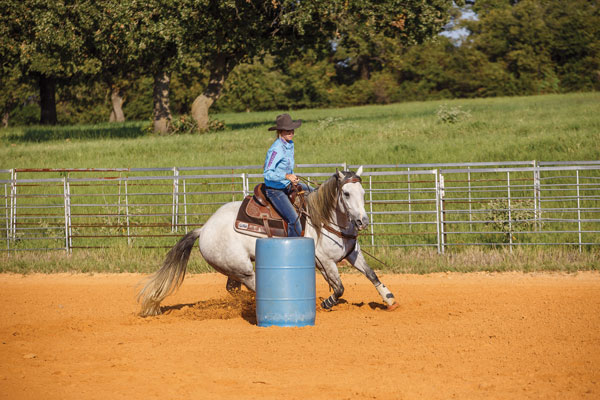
[[285, 282]]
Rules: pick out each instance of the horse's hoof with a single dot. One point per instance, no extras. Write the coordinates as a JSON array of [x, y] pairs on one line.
[[393, 307]]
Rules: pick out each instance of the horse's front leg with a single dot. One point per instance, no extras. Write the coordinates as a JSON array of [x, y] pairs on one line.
[[329, 270], [357, 259]]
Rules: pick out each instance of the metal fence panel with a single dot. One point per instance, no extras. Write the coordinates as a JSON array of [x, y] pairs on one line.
[[441, 206]]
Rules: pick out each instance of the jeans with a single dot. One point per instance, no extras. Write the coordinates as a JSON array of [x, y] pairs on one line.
[[280, 200]]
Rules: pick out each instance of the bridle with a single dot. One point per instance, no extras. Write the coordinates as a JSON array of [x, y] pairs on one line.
[[327, 226], [351, 179]]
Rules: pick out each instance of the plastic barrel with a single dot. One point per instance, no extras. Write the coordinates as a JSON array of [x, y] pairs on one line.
[[285, 282]]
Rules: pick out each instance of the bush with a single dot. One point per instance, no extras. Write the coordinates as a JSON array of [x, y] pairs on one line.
[[185, 124], [451, 115], [519, 217], [28, 114]]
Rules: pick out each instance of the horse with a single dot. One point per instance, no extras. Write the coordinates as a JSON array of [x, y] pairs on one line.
[[335, 215]]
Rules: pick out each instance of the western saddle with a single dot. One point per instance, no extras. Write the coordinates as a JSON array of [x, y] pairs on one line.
[[257, 216]]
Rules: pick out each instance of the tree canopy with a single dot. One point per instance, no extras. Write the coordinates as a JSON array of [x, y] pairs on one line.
[[141, 58]]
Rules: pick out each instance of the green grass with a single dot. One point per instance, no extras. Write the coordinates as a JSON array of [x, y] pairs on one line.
[[413, 261], [546, 128], [543, 128]]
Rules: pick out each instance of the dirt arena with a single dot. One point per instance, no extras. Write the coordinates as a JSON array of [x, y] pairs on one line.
[[466, 336]]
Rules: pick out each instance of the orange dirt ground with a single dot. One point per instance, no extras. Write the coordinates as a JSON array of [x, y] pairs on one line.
[[466, 336]]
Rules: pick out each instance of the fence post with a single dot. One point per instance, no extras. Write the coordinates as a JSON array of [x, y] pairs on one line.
[[70, 212], [67, 203], [538, 191], [470, 200], [578, 211], [127, 211], [438, 214], [245, 184], [175, 199], [537, 194], [409, 200], [371, 208], [13, 205], [243, 177], [119, 201], [6, 217], [510, 229], [185, 218], [443, 212]]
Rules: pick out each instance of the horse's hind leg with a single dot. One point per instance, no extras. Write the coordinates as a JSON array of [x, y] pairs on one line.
[[330, 272], [233, 286]]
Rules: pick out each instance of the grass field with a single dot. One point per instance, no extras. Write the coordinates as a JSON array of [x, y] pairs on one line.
[[411, 261], [543, 128]]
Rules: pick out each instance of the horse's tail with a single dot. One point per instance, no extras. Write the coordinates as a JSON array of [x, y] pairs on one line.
[[169, 277]]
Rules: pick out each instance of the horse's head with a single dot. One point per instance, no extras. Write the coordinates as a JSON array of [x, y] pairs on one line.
[[351, 198]]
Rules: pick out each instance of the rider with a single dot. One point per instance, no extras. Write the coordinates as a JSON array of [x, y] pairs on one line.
[[279, 172]]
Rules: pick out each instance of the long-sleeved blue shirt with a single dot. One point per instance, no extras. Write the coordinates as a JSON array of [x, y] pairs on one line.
[[279, 162]]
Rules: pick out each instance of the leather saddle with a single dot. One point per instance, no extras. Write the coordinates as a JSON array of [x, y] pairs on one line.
[[257, 216]]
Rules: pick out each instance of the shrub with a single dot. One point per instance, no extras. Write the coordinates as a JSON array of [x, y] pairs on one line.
[[451, 115], [519, 217], [185, 124]]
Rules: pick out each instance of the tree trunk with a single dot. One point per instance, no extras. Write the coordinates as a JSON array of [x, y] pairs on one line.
[[5, 118], [162, 112], [47, 100], [365, 74], [117, 100], [218, 73]]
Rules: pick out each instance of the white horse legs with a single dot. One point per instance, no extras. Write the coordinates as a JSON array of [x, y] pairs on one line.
[[331, 274], [233, 286], [357, 259]]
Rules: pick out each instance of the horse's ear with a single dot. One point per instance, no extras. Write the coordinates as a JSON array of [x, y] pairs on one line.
[[359, 171], [339, 174]]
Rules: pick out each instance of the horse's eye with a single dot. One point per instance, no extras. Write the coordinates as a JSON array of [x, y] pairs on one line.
[[346, 194]]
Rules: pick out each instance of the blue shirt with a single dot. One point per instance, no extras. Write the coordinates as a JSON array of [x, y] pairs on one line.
[[279, 162]]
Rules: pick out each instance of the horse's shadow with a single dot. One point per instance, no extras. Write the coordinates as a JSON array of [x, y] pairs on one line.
[[373, 305]]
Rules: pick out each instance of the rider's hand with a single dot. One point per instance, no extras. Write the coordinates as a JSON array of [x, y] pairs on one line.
[[292, 178]]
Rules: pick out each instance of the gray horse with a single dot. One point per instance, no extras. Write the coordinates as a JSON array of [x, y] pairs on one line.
[[336, 213]]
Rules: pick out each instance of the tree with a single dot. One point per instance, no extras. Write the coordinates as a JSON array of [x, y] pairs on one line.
[[575, 45], [545, 46], [221, 35], [440, 69], [149, 34], [10, 75], [371, 32], [110, 47], [50, 39]]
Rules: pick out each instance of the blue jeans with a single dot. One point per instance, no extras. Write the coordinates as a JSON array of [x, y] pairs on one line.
[[280, 200]]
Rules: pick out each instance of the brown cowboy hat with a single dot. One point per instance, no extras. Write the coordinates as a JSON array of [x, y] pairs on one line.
[[284, 123]]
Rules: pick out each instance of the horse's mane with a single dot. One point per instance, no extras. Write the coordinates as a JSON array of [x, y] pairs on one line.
[[321, 203]]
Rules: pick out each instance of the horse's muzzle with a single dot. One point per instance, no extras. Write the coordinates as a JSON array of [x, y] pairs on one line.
[[361, 223]]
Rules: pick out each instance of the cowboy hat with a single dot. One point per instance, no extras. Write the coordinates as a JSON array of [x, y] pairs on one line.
[[284, 123]]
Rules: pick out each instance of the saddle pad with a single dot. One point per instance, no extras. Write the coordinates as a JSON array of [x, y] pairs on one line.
[[249, 220]]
